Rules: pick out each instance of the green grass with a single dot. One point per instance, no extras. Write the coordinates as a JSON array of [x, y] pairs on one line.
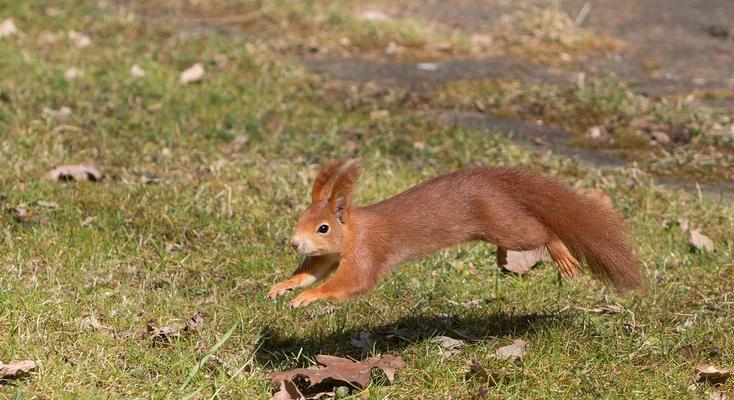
[[211, 235]]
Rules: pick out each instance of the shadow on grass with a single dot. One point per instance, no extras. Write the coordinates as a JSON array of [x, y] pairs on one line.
[[279, 349]]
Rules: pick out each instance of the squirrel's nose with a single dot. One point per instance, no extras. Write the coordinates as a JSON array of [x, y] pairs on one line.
[[294, 244]]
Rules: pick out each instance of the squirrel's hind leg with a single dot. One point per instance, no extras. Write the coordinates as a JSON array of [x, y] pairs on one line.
[[562, 257]]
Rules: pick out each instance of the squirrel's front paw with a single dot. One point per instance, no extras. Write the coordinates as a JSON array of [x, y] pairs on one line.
[[305, 298], [280, 289]]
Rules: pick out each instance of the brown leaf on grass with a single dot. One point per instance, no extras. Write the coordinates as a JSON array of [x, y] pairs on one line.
[[513, 351], [520, 262], [288, 391], [605, 309], [166, 334], [447, 343], [192, 74], [7, 28], [60, 114], [711, 374], [80, 40], [137, 71], [16, 369], [701, 241], [92, 323], [77, 172], [338, 371]]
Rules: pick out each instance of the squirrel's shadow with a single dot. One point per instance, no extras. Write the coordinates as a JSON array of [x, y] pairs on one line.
[[278, 349]]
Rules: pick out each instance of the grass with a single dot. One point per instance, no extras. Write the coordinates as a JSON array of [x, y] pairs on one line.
[[700, 144], [230, 160]]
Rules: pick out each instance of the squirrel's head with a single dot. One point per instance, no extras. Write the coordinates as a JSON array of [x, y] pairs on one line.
[[321, 228]]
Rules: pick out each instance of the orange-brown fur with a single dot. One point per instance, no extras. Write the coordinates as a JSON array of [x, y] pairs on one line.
[[513, 209]]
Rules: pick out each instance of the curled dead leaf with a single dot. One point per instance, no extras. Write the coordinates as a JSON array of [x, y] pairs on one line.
[[71, 73], [520, 262], [16, 369], [137, 71], [77, 172], [701, 241], [166, 334], [605, 309], [513, 351], [80, 40], [8, 28], [92, 323], [447, 343], [194, 73], [60, 114], [338, 372], [711, 374]]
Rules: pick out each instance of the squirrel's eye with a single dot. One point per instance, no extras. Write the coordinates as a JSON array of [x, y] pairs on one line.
[[323, 228]]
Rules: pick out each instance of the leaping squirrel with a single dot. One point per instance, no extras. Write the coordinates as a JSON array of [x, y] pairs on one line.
[[507, 207]]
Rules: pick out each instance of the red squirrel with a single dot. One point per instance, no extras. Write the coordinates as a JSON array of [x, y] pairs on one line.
[[510, 208]]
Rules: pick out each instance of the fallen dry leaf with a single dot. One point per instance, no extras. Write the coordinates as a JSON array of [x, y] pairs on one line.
[[339, 371], [373, 15], [80, 40], [520, 262], [605, 309], [71, 74], [711, 374], [166, 334], [52, 205], [447, 343], [60, 114], [194, 73], [92, 323], [701, 241], [513, 351], [16, 369], [136, 71], [77, 172], [288, 391], [7, 28]]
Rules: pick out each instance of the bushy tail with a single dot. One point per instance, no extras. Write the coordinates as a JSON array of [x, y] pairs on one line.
[[592, 231]]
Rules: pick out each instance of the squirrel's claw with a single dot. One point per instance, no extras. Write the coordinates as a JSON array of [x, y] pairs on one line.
[[304, 299], [280, 289]]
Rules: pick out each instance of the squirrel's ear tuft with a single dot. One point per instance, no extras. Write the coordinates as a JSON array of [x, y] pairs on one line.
[[324, 183], [340, 199]]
